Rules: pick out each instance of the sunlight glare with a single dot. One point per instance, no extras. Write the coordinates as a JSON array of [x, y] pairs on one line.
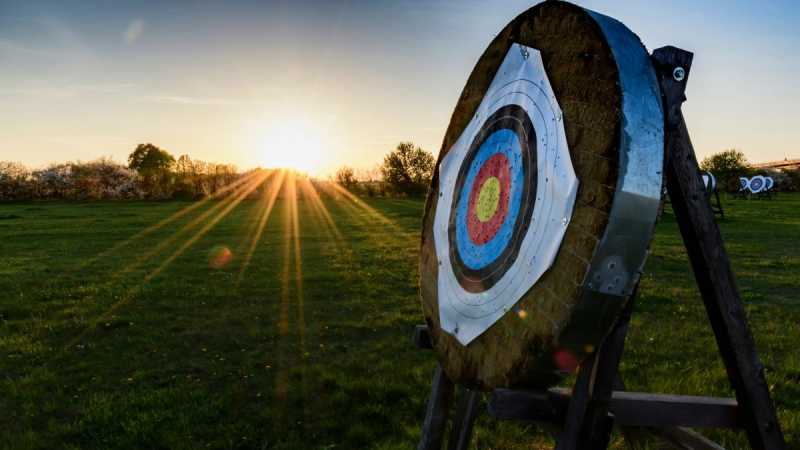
[[292, 143]]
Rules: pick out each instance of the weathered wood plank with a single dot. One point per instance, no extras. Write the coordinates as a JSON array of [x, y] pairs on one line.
[[652, 410], [637, 409], [687, 439], [578, 405], [464, 420], [598, 424], [437, 412], [710, 261]]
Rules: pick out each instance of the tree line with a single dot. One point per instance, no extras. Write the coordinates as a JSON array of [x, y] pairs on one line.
[[727, 166], [153, 173], [405, 171]]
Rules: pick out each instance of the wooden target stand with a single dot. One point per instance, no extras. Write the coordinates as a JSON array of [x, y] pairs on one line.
[[584, 416], [716, 204]]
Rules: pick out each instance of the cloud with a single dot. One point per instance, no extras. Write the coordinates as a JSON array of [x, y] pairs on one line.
[[9, 46], [209, 101], [55, 92], [134, 30]]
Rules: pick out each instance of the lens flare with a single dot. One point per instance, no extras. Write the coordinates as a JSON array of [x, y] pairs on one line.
[[565, 360], [219, 257]]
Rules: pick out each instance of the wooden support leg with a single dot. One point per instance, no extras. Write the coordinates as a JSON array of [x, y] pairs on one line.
[[569, 439], [719, 205], [437, 412], [598, 427], [587, 423], [709, 259], [464, 419]]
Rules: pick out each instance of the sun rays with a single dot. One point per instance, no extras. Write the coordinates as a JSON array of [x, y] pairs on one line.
[[267, 204], [284, 190]]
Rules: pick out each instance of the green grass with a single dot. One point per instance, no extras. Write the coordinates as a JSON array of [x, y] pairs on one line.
[[104, 346]]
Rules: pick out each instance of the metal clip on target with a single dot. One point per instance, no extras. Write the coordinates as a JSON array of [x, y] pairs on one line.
[[536, 232]]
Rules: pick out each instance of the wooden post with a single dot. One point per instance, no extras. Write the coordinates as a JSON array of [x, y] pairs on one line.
[[597, 430], [437, 412], [709, 259], [569, 439], [464, 419], [588, 424]]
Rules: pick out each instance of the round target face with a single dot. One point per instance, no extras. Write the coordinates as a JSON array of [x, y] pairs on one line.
[[709, 181], [523, 273], [768, 183], [743, 183], [756, 184], [507, 189], [494, 198]]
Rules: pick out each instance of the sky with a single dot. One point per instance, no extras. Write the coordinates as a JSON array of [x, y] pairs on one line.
[[342, 81]]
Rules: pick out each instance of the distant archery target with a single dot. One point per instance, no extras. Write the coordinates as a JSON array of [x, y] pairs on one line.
[[768, 183], [756, 184], [506, 195], [709, 181], [744, 183]]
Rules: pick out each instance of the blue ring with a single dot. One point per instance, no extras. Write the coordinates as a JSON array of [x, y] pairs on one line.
[[474, 256]]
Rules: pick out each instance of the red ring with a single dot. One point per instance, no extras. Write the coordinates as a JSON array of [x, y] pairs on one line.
[[482, 232]]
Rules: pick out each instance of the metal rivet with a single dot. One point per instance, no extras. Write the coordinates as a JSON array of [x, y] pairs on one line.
[[679, 74]]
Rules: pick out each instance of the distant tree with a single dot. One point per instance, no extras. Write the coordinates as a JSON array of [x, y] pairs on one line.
[[727, 167], [792, 180], [408, 169], [147, 158], [154, 165], [183, 166], [184, 178], [14, 181], [345, 176], [199, 170], [220, 175]]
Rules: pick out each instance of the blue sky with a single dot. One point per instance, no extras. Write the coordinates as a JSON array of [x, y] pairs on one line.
[[79, 80]]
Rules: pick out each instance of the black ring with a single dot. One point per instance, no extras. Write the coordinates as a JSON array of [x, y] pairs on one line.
[[515, 118]]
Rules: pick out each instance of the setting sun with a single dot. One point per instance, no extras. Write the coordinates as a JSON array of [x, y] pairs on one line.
[[293, 144]]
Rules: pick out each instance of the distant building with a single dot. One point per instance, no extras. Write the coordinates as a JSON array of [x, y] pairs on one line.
[[786, 164]]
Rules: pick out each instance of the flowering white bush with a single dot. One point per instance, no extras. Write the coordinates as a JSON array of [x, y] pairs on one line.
[[102, 179]]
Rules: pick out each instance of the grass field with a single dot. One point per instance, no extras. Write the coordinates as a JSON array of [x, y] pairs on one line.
[[120, 331]]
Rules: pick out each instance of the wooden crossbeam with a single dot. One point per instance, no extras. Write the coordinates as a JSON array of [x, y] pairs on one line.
[[633, 409]]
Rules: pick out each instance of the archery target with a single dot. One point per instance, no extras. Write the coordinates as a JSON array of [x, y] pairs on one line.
[[507, 189], [768, 183], [744, 183], [709, 181], [756, 184]]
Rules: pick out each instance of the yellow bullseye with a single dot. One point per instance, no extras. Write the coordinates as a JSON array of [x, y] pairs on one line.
[[488, 199]]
